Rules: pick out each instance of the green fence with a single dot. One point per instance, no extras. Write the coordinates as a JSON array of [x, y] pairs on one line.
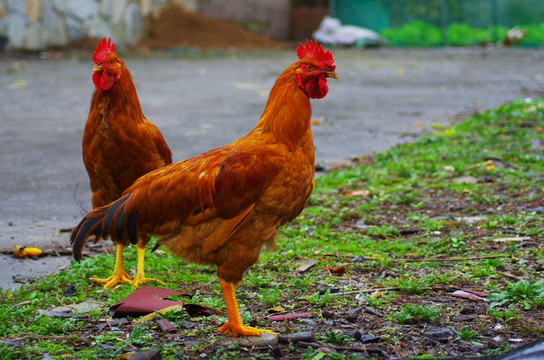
[[438, 22]]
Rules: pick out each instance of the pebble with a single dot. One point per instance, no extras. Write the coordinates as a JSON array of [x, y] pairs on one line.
[[266, 339], [469, 309], [146, 355], [442, 334], [306, 336]]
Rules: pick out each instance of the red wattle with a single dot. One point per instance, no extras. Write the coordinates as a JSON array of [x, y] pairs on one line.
[[103, 80], [317, 88]]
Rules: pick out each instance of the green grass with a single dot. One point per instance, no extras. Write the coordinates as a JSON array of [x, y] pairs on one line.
[[415, 314], [416, 240]]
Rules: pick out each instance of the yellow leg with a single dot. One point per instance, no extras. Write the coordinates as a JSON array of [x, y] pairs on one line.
[[234, 325], [140, 278], [119, 274]]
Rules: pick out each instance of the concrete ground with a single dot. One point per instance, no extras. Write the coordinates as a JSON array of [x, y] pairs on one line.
[[383, 97]]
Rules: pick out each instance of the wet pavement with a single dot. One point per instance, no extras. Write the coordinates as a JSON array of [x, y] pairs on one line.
[[382, 97]]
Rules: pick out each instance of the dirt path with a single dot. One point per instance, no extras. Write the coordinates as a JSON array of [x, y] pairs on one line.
[[382, 98]]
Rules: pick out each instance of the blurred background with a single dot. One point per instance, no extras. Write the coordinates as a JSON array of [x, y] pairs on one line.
[[37, 25]]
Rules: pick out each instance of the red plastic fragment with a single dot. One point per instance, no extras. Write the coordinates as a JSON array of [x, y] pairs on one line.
[[283, 317], [147, 299]]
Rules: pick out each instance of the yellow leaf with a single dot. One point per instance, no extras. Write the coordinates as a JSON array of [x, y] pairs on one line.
[[23, 251]]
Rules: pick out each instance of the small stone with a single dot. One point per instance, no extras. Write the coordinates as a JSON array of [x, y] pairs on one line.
[[326, 350], [82, 307], [146, 355], [465, 179], [276, 352], [538, 209], [360, 224], [442, 335], [463, 318], [358, 259], [306, 336], [266, 339], [365, 338], [469, 309]]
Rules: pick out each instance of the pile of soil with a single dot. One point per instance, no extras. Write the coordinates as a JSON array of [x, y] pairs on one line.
[[178, 27]]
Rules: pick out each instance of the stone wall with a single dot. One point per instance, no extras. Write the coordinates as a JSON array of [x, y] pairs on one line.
[[42, 24]]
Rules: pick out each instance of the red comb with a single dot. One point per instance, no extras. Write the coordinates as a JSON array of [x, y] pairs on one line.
[[102, 50], [313, 50]]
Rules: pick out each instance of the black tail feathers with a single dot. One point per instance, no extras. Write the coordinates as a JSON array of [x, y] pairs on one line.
[[108, 220]]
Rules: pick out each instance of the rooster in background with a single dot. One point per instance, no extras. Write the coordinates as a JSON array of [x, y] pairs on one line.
[[119, 146], [222, 206]]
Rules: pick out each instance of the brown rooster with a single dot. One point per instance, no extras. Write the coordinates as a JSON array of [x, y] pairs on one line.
[[222, 206], [119, 146]]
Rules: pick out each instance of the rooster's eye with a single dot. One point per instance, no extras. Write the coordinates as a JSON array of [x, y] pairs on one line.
[[309, 67], [112, 62]]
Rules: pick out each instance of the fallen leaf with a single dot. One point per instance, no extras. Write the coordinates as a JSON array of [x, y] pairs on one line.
[[362, 193], [306, 265], [336, 270], [276, 310], [22, 251]]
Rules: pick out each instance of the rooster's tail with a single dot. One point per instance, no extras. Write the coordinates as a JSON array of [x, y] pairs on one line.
[[103, 221]]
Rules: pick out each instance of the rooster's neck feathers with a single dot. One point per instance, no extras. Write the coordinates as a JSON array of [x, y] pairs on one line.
[[122, 97], [287, 112]]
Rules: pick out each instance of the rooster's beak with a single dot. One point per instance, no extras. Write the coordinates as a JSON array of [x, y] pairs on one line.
[[331, 74], [97, 68]]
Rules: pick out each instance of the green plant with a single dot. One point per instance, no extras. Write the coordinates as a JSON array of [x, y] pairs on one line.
[[140, 335], [466, 334], [412, 285], [414, 33], [320, 300], [336, 337], [270, 296], [415, 314], [525, 293], [504, 315]]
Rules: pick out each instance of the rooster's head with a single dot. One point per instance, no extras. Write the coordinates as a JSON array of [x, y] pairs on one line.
[[315, 66], [107, 66]]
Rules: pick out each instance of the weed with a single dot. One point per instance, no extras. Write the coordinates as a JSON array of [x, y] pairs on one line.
[[320, 300], [270, 296], [526, 293], [415, 314], [410, 187], [375, 302], [466, 334], [504, 315], [336, 337], [411, 286]]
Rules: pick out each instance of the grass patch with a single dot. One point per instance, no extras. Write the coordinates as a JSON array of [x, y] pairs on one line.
[[457, 209]]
